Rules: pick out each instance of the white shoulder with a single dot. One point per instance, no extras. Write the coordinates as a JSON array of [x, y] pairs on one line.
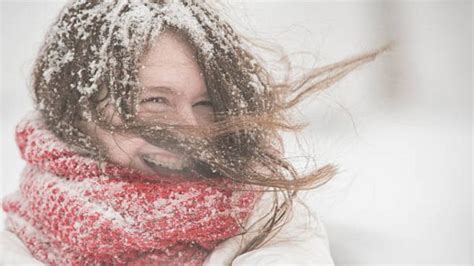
[[302, 241], [14, 252]]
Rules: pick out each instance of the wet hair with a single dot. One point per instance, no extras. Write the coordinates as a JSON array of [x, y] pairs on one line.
[[90, 59]]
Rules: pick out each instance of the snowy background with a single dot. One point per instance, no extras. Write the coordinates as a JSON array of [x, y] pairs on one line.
[[399, 128]]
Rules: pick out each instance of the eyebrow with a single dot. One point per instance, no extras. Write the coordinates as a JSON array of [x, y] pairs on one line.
[[161, 89], [168, 90]]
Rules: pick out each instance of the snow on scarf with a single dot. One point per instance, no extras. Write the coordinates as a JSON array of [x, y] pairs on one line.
[[67, 213]]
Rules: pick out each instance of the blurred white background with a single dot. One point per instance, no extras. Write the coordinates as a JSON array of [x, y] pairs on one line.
[[399, 128]]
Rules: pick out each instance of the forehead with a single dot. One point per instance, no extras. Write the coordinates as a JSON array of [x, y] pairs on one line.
[[171, 63]]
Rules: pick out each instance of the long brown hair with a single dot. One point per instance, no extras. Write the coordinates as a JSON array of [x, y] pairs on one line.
[[90, 57]]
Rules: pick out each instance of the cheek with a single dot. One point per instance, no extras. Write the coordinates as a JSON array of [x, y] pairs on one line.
[[122, 149], [204, 115]]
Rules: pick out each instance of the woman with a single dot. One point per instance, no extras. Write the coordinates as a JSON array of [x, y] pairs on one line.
[[168, 92]]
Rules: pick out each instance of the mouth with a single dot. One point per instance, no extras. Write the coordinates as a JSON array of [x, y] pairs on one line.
[[168, 167]]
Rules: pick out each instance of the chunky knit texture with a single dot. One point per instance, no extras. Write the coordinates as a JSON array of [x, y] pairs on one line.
[[71, 211]]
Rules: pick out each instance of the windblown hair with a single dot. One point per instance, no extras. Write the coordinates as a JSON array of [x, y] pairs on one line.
[[91, 57]]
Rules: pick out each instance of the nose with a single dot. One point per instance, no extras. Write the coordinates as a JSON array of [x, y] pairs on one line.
[[187, 116]]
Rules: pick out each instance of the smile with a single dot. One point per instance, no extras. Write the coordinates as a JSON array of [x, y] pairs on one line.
[[167, 167]]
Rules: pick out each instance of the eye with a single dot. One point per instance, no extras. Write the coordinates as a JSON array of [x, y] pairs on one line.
[[204, 103], [162, 100], [156, 104]]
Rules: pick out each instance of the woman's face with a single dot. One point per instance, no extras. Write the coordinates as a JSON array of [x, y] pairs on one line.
[[173, 91]]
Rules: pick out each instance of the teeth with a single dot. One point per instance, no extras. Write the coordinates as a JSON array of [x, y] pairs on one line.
[[172, 165]]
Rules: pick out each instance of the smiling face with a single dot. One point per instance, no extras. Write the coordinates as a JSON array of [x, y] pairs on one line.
[[173, 91]]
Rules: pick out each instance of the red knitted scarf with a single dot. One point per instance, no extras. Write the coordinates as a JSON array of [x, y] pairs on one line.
[[70, 211]]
